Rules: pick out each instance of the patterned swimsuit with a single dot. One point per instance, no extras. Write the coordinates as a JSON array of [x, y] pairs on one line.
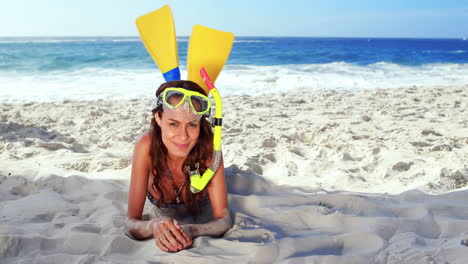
[[165, 205]]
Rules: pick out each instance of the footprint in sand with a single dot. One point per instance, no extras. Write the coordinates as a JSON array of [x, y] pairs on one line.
[[421, 144], [402, 166], [43, 218], [426, 132], [270, 156], [121, 245], [354, 244], [83, 166], [114, 164], [269, 143], [118, 196], [87, 229], [292, 169], [253, 164], [251, 234], [13, 245], [297, 151], [465, 242], [80, 241], [249, 229]]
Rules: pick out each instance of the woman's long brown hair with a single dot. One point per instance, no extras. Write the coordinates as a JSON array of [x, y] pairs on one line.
[[200, 153]]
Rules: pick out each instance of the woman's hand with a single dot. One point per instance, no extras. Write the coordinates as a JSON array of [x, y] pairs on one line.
[[169, 235]]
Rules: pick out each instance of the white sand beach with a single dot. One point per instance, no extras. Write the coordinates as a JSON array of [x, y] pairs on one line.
[[368, 176]]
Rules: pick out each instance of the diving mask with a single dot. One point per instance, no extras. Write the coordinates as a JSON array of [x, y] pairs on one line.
[[173, 98]]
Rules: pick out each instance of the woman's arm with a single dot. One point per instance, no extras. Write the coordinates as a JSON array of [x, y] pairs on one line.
[[222, 218], [138, 186], [168, 234], [215, 228]]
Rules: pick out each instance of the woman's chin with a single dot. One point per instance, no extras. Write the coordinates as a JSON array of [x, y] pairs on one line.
[[180, 153]]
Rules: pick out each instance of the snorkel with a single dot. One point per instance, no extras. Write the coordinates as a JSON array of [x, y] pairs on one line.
[[197, 181]]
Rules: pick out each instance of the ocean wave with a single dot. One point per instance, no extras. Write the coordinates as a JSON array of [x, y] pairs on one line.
[[245, 79], [444, 52], [99, 83], [253, 41]]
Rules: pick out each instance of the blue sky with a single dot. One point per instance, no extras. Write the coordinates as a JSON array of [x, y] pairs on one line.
[[316, 18]]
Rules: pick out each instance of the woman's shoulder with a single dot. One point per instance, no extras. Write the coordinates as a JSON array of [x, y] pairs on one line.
[[142, 153], [143, 142], [145, 138]]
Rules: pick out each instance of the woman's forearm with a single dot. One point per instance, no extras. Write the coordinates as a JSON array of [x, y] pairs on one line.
[[215, 228], [140, 229]]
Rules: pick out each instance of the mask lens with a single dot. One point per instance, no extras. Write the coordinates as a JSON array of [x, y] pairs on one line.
[[199, 103], [174, 98]]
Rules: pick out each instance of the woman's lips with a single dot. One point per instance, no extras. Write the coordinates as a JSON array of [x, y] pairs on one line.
[[182, 146]]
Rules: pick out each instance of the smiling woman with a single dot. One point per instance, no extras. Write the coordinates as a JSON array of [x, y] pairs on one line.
[[180, 140]]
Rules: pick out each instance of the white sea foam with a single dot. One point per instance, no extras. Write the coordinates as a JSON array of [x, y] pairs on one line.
[[242, 79], [86, 84], [96, 83]]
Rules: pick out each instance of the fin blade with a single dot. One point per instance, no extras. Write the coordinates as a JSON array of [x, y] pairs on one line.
[[157, 31], [208, 48]]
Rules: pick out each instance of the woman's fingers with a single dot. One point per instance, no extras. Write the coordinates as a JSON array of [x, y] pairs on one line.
[[173, 235], [173, 238], [160, 245], [186, 236], [170, 236], [158, 236], [164, 239], [188, 244], [169, 242], [187, 231], [165, 242], [178, 234]]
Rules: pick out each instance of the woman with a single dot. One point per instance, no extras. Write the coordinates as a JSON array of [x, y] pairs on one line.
[[180, 138]]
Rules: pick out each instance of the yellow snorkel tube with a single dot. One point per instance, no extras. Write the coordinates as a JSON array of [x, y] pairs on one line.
[[197, 181]]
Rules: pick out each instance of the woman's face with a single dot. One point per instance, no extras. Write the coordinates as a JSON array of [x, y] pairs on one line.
[[180, 130]]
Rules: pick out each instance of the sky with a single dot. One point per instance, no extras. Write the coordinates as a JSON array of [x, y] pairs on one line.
[[312, 18]]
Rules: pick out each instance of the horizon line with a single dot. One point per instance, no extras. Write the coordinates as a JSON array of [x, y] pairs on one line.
[[245, 36]]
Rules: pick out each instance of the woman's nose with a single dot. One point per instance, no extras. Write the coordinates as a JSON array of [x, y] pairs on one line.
[[183, 133]]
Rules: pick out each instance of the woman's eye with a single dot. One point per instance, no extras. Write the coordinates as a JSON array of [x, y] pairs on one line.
[[173, 124], [193, 125]]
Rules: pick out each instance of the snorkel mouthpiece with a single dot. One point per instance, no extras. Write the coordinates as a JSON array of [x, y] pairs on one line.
[[198, 182]]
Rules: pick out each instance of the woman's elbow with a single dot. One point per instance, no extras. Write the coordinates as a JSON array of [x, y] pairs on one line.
[[226, 224]]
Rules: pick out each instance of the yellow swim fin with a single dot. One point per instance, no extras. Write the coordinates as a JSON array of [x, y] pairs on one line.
[[208, 48], [157, 31]]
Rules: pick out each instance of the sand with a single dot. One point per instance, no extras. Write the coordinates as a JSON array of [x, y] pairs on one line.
[[369, 176]]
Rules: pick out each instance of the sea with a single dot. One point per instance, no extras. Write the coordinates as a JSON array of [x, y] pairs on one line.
[[53, 69]]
